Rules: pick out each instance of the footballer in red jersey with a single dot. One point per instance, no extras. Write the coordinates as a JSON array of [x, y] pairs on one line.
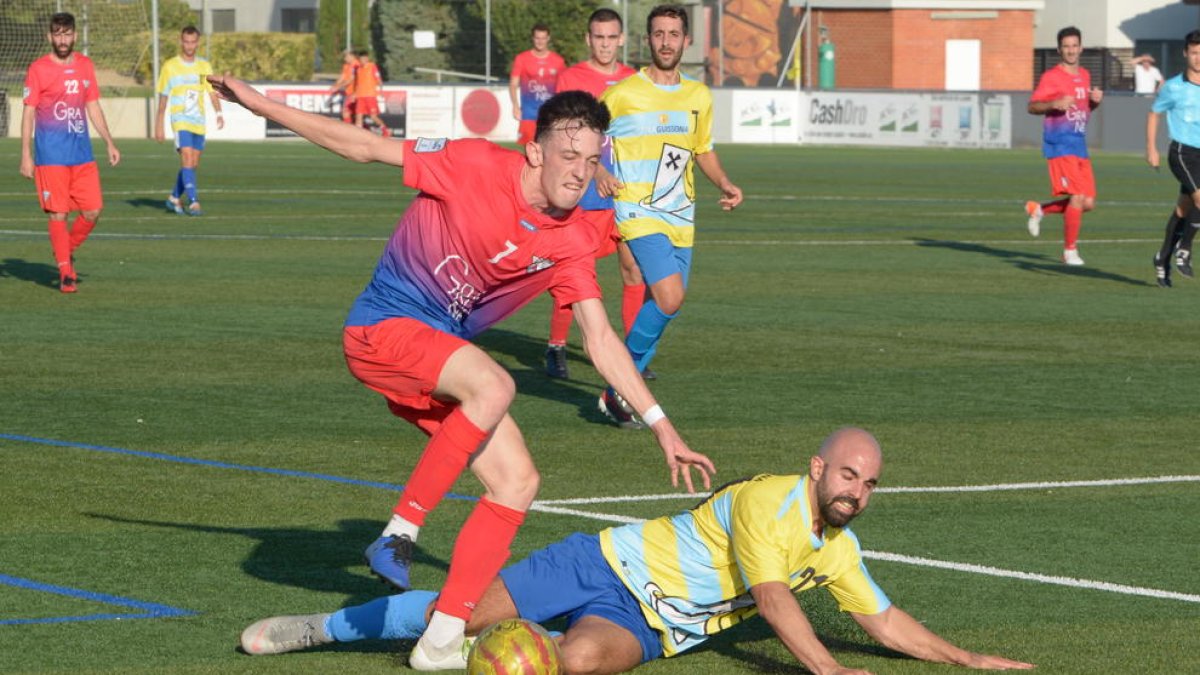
[[61, 94], [489, 231]]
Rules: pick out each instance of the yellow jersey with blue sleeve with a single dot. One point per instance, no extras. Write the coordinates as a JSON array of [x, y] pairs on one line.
[[692, 572], [657, 131], [185, 84]]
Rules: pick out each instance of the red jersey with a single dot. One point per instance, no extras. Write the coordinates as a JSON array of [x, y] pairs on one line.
[[1065, 132], [538, 77], [470, 251], [59, 94], [583, 77], [367, 80]]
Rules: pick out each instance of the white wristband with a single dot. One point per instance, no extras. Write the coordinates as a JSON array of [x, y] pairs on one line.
[[653, 415]]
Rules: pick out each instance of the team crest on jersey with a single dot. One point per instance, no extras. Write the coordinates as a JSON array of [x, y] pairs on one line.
[[429, 145], [538, 265], [87, 83]]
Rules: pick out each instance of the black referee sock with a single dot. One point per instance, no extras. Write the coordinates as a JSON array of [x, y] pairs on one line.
[[1175, 227], [1189, 233]]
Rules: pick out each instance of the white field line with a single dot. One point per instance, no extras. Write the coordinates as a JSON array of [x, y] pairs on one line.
[[39, 233], [553, 506], [997, 487], [1028, 576]]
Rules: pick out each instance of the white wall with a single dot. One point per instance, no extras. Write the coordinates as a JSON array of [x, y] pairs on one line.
[[1115, 24], [256, 16]]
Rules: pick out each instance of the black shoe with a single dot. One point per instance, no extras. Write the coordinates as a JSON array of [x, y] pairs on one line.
[[1162, 272], [1183, 262], [556, 362], [648, 375], [617, 410]]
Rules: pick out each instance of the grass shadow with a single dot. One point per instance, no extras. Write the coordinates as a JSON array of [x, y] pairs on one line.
[[144, 202], [42, 274], [1038, 263]]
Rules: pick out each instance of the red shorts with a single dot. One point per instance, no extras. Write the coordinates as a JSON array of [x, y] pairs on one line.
[[348, 102], [1071, 175], [526, 131], [62, 189], [402, 359], [367, 105], [607, 236]]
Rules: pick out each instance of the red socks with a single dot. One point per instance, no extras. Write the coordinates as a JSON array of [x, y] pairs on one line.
[[560, 325], [60, 243], [1055, 207], [479, 552], [80, 230], [1072, 219], [632, 299], [441, 463]]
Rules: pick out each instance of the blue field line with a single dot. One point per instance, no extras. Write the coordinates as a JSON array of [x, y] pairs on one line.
[[150, 610], [218, 465]]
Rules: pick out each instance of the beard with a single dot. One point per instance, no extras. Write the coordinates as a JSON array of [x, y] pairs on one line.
[[63, 51], [661, 62], [833, 516]]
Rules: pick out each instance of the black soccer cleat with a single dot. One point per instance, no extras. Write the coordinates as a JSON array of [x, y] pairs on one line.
[[556, 362], [617, 410], [1183, 262], [1162, 272]]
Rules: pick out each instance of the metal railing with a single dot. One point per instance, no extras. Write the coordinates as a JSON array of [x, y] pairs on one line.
[[439, 72]]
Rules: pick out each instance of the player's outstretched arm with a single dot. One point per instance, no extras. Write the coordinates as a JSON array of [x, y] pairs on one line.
[[782, 612], [731, 195], [895, 629], [612, 360], [347, 140]]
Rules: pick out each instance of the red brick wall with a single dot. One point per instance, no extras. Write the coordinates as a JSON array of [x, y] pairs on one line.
[[905, 48]]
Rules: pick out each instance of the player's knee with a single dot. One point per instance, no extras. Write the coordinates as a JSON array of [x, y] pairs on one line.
[[494, 389], [91, 216], [581, 657], [670, 303], [1089, 204]]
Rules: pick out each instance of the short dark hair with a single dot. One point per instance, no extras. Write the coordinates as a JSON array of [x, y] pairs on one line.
[[363, 52], [1068, 32], [604, 15], [572, 105], [189, 30], [62, 20], [1192, 38], [539, 27], [672, 11]]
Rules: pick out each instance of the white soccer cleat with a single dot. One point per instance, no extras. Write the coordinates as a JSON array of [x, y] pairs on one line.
[[1071, 257], [280, 634], [1034, 210], [450, 657]]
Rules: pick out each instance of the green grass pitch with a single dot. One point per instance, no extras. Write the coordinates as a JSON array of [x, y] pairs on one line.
[[889, 288]]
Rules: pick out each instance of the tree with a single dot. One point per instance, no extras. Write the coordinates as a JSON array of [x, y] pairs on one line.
[[331, 30], [392, 25], [567, 19]]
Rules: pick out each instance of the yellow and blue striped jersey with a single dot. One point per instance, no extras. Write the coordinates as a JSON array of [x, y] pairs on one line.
[[692, 572], [657, 131], [184, 85]]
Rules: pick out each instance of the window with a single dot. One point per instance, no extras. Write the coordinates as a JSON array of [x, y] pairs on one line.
[[224, 20], [298, 20]]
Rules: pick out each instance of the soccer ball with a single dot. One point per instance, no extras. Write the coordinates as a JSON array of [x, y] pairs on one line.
[[512, 647]]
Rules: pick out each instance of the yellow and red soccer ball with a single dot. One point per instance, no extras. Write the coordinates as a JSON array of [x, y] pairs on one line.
[[514, 647]]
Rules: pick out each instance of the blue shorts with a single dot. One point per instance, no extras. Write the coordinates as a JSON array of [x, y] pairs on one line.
[[658, 258], [187, 139], [572, 579]]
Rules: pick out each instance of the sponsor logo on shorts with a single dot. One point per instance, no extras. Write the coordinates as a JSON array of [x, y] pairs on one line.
[[538, 265]]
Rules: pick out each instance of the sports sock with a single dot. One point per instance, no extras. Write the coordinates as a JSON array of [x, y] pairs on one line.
[[60, 244], [189, 183], [441, 463], [645, 333], [1189, 234], [399, 526], [395, 617], [632, 299], [1056, 206], [178, 190], [1175, 226], [1072, 220], [560, 325], [479, 552], [80, 230]]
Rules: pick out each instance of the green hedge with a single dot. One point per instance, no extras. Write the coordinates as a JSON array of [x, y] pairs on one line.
[[250, 56]]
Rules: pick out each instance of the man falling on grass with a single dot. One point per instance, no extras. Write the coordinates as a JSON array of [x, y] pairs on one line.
[[640, 592]]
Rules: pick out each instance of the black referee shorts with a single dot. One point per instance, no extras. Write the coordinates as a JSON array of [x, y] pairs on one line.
[[1184, 161]]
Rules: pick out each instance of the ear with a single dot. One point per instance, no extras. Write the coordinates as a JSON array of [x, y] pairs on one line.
[[533, 154], [816, 468]]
